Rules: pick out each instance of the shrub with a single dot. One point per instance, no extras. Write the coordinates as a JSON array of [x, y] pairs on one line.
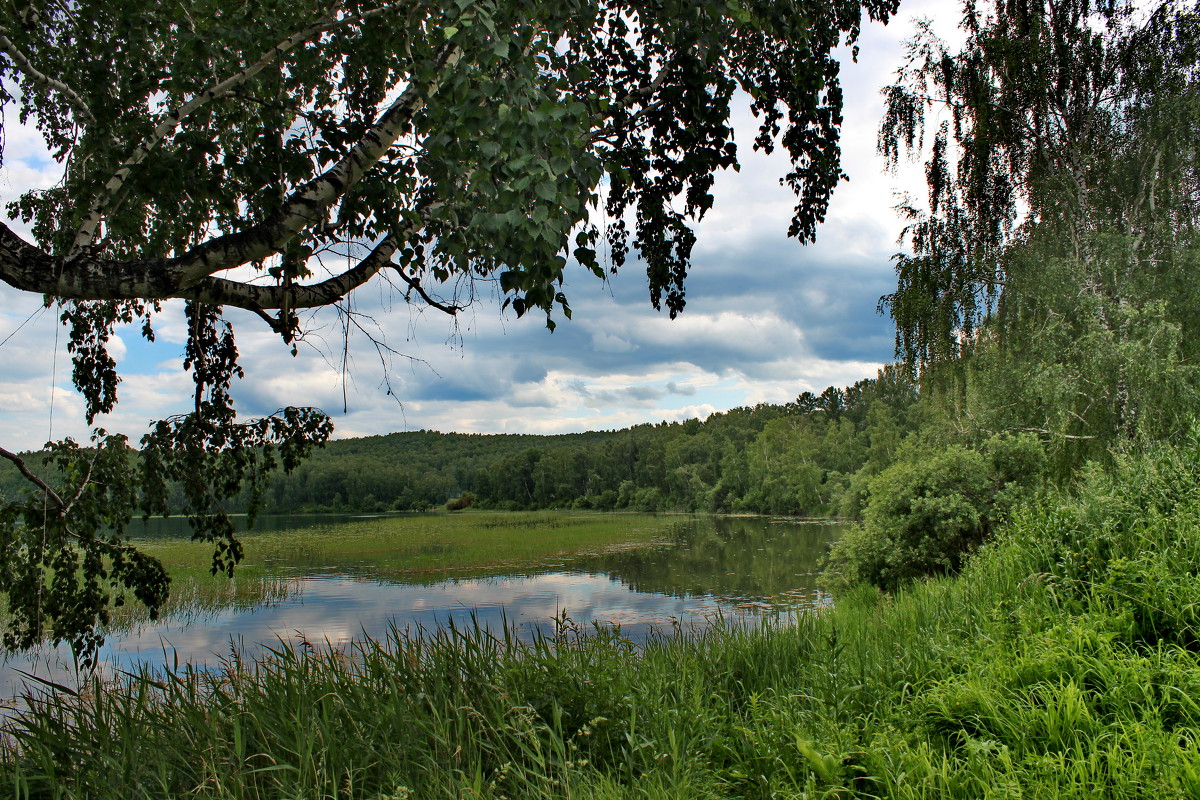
[[465, 500], [927, 514]]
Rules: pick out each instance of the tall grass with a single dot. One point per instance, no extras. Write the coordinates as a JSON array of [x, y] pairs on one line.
[[1062, 663]]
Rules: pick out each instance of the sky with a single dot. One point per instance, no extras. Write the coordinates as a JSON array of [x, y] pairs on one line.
[[766, 317]]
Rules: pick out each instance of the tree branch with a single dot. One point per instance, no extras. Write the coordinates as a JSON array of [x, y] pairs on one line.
[[632, 97], [23, 468], [222, 291], [28, 70], [292, 297], [307, 205], [87, 478], [86, 234], [415, 284], [85, 276]]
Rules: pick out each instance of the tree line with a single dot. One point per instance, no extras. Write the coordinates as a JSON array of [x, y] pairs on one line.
[[808, 457]]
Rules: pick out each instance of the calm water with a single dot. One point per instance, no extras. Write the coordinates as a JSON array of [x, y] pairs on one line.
[[738, 569]]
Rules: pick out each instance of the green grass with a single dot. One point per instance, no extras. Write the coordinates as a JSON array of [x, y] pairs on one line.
[[1061, 664], [431, 545]]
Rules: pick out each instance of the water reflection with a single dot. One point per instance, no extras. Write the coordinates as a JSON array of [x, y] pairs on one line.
[[736, 568], [738, 560]]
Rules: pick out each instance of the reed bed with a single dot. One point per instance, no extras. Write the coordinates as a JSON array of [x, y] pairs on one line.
[[429, 545]]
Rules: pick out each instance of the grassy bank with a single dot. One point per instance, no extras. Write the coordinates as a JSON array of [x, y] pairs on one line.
[[1062, 663], [437, 545]]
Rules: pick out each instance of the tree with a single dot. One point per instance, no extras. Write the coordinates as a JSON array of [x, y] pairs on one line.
[[1055, 255], [1066, 116], [274, 156]]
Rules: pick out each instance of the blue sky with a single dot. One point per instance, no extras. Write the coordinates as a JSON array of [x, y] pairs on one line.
[[766, 317]]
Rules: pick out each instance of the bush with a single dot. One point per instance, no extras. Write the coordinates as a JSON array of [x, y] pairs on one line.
[[927, 514], [466, 500]]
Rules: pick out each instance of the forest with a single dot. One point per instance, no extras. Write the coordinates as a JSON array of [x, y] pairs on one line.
[[806, 458]]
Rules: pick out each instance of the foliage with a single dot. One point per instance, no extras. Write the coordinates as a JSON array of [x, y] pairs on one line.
[[1077, 111], [1051, 269], [464, 500], [928, 512], [787, 459], [63, 551]]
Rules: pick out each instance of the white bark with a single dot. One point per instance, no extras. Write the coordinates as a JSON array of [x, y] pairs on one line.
[[85, 276]]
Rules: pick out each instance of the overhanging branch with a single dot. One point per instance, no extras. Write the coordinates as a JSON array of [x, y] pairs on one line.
[[85, 276], [222, 291], [294, 297], [307, 206], [23, 468]]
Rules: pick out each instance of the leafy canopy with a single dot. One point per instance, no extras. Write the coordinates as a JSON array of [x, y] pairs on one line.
[[1051, 271], [1058, 122]]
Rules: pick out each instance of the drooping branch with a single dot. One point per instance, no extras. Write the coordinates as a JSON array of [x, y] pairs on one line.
[[86, 234], [27, 69], [23, 468], [602, 132], [294, 297], [83, 485], [222, 291]]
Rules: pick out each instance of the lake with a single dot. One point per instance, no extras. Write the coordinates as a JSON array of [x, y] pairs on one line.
[[683, 574]]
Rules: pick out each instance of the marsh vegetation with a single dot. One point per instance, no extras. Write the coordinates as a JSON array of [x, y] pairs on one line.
[[338, 582]]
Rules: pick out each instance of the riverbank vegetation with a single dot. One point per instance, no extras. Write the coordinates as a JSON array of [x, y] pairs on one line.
[[1060, 664], [412, 548], [431, 546]]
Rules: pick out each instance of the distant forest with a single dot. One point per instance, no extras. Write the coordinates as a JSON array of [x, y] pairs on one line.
[[808, 457]]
